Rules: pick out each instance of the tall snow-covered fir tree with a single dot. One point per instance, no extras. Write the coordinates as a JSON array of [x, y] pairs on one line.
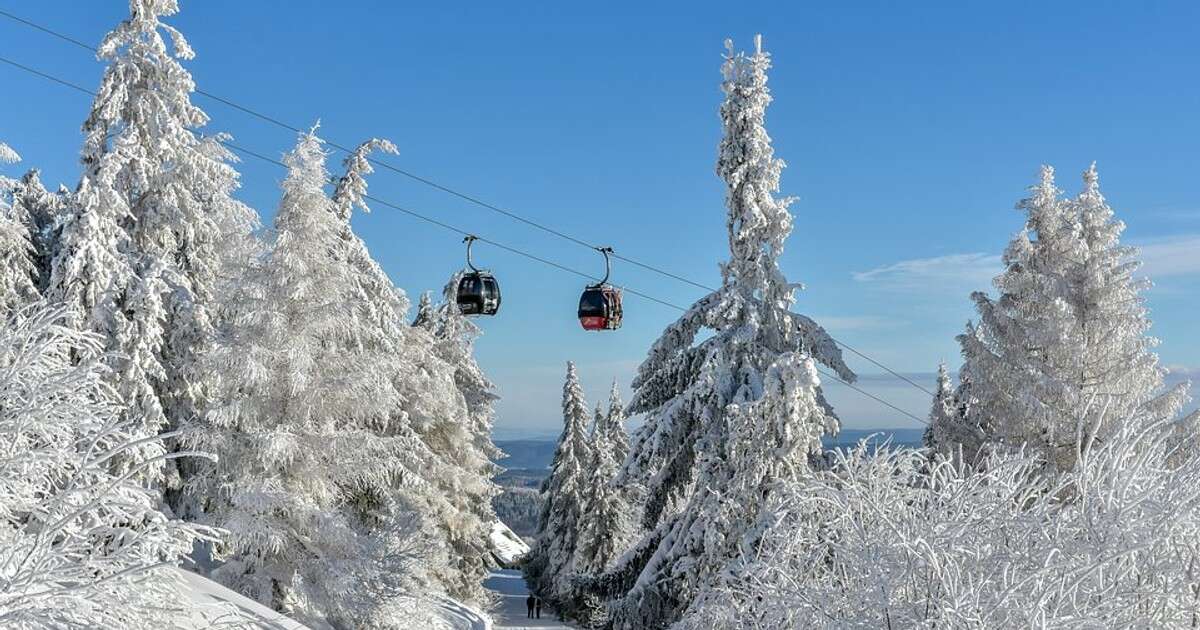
[[315, 497], [19, 277], [733, 415], [140, 250], [551, 564], [1062, 352], [442, 395]]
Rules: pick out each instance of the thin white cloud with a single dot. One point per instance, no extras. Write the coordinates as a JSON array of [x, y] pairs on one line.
[[1161, 258], [1170, 256], [953, 271], [1182, 373]]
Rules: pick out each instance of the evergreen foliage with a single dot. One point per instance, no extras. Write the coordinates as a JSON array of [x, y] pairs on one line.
[[731, 417]]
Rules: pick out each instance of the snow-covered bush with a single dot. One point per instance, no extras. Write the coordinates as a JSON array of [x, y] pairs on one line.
[[79, 546], [883, 540]]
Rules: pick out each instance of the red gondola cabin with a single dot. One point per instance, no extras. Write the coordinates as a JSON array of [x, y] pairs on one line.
[[600, 307]]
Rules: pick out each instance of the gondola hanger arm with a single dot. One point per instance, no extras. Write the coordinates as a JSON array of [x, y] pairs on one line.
[[470, 240], [607, 251]]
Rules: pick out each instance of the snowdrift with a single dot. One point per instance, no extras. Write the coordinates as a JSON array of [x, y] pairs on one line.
[[217, 606], [507, 547]]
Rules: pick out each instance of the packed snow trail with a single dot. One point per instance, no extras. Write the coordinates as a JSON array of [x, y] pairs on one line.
[[511, 591]]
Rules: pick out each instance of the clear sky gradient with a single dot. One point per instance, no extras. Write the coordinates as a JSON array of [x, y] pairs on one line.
[[909, 133]]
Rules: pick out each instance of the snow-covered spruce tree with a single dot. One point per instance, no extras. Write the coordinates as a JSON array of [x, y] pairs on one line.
[[454, 337], [442, 396], [942, 402], [1067, 332], [40, 209], [151, 214], [605, 517], [602, 523], [91, 275], [949, 434], [606, 520], [614, 426], [18, 268], [80, 547], [731, 417], [314, 495], [551, 563], [1119, 375]]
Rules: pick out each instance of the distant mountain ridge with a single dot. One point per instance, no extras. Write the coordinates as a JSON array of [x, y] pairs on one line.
[[537, 453]]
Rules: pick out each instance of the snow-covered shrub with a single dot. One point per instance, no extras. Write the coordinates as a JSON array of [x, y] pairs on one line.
[[79, 546], [887, 540]]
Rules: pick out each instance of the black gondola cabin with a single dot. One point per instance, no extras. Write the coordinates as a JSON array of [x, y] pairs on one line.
[[478, 294]]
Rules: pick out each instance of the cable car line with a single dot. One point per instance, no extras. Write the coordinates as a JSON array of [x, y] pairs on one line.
[[869, 394], [468, 235], [451, 191], [467, 197], [46, 76]]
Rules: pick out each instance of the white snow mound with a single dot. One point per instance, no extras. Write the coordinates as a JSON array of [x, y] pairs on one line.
[[217, 606], [506, 545]]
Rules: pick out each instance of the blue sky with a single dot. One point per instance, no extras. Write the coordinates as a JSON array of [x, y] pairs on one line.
[[909, 133]]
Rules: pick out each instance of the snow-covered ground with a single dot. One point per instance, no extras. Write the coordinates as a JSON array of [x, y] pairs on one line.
[[459, 616], [511, 590], [507, 546], [218, 605]]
